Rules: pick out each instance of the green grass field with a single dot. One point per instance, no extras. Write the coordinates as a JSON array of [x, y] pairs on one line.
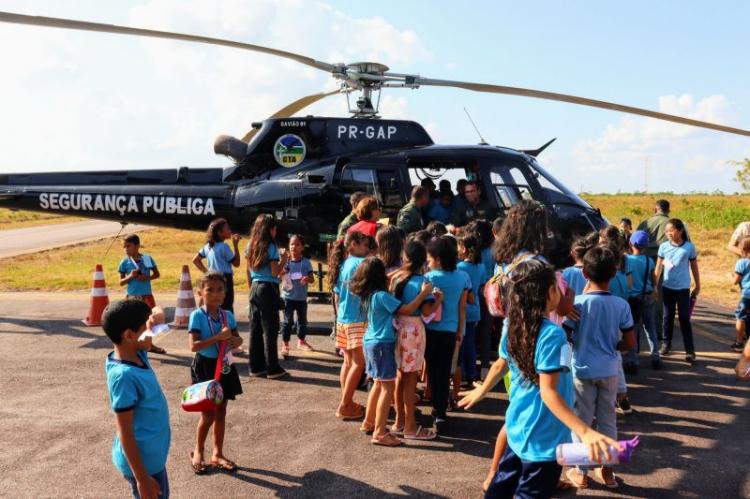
[[10, 219], [710, 218]]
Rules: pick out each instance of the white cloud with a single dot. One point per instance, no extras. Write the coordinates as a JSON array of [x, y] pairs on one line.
[[76, 101], [674, 157]]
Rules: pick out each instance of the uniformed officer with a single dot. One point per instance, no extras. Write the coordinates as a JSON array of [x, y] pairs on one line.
[[351, 218], [410, 216], [475, 207]]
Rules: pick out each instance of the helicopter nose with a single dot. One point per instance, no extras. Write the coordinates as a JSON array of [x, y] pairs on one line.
[[230, 146]]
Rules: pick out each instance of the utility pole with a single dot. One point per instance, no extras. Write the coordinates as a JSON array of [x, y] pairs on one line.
[[645, 176]]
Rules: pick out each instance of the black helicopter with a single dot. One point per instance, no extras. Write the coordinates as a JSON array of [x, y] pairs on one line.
[[302, 169]]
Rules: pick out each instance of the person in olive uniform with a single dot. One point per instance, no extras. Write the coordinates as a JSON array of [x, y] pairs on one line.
[[475, 207], [410, 216], [351, 218]]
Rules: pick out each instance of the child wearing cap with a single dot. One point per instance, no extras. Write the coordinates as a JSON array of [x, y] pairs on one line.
[[641, 298]]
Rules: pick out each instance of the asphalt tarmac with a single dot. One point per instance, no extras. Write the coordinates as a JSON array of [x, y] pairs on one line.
[[57, 428]]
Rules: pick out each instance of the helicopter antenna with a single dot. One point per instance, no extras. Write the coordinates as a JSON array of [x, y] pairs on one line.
[[482, 142]]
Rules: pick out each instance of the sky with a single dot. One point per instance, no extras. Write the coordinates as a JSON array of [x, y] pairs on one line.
[[90, 101]]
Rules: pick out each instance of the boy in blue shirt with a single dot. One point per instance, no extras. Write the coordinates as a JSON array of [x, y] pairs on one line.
[[641, 299], [137, 271], [605, 326], [742, 278], [141, 445]]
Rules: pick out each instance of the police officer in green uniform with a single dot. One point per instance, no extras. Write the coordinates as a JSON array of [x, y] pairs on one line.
[[474, 208], [410, 216]]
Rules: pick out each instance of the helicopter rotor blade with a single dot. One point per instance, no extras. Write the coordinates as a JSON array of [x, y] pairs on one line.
[[54, 22], [572, 99], [292, 108]]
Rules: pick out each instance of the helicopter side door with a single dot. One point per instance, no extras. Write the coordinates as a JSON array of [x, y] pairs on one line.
[[384, 181]]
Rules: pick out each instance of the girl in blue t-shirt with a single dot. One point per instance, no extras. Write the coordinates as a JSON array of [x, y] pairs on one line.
[[221, 258], [406, 284], [370, 285], [677, 257], [471, 264], [483, 230], [265, 263], [539, 416], [445, 333], [207, 328], [346, 255]]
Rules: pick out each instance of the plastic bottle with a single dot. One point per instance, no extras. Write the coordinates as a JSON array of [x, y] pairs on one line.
[[578, 454]]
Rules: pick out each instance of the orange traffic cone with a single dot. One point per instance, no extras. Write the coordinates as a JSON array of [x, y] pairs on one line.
[[99, 299], [185, 300]]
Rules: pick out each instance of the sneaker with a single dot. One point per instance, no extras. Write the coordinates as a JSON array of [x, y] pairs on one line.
[[258, 374], [664, 350], [656, 364], [737, 347], [304, 346], [278, 374], [624, 406], [690, 357]]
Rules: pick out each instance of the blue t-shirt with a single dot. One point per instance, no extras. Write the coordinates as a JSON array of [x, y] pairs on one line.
[[380, 318], [595, 336], [743, 268], [574, 278], [134, 387], [437, 211], [677, 264], [533, 431], [489, 264], [475, 271], [220, 257], [452, 284], [296, 271], [146, 265], [618, 285], [350, 306], [640, 266], [412, 289], [263, 274], [200, 322]]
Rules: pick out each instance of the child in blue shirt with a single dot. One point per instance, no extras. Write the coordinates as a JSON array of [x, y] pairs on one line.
[[264, 265], [221, 258], [137, 271], [346, 255], [540, 414], [443, 335], [370, 285], [471, 264], [742, 278], [208, 327], [573, 275], [297, 276], [641, 298], [677, 257], [143, 437], [604, 327]]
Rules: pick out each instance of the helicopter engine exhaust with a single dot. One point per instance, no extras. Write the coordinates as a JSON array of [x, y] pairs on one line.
[[230, 146]]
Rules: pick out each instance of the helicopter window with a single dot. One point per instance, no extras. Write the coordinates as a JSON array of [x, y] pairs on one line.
[[510, 182], [356, 179], [389, 187]]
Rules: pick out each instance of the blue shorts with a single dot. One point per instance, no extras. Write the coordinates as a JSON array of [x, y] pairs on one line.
[[161, 479], [743, 310], [380, 361], [523, 479]]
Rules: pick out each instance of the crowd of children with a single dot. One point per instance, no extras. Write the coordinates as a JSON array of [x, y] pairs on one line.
[[419, 307]]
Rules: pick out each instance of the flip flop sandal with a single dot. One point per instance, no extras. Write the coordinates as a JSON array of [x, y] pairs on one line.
[[564, 485], [609, 484], [577, 479], [198, 469], [367, 429], [228, 465], [399, 432], [155, 349], [421, 434], [351, 417], [387, 440]]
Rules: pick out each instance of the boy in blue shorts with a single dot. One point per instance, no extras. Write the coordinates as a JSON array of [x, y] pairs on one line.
[[143, 436], [605, 326]]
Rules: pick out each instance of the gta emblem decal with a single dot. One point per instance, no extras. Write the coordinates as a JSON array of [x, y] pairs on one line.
[[289, 150]]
